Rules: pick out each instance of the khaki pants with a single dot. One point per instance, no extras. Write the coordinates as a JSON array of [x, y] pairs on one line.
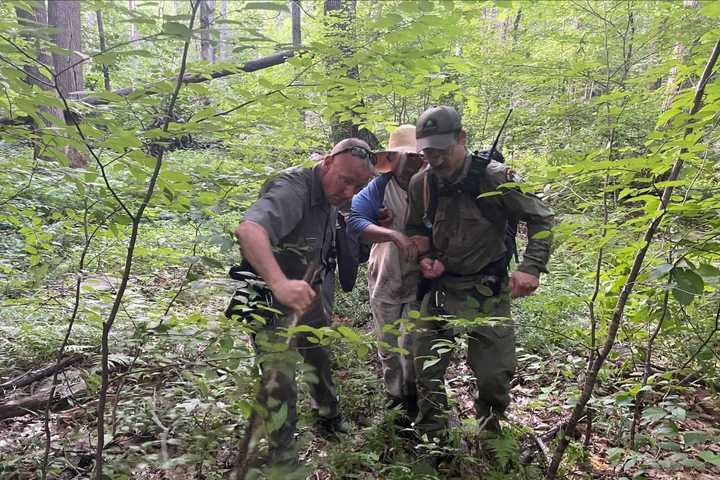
[[491, 354], [398, 369]]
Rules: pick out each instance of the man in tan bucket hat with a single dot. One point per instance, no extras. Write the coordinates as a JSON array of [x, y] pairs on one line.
[[378, 215]]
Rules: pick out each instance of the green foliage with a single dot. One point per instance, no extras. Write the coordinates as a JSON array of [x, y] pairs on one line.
[[601, 93]]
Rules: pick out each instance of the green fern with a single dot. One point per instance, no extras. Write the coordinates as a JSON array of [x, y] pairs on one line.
[[505, 448]]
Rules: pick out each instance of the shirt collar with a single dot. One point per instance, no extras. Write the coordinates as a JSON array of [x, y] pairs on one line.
[[317, 195]]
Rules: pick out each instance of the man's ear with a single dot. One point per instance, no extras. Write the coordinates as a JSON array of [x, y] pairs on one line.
[[462, 137], [328, 160]]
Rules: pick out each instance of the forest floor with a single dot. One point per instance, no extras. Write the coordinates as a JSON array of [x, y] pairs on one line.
[[178, 414]]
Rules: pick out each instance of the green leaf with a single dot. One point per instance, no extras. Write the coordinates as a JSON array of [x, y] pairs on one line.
[[687, 285], [695, 436], [177, 30], [278, 418], [542, 234], [711, 9], [652, 414], [489, 194], [660, 271], [226, 343], [349, 334], [710, 457], [429, 363], [709, 273]]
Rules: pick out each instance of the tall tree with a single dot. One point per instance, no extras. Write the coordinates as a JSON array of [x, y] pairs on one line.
[[65, 16], [33, 20], [222, 47], [296, 30], [133, 32], [342, 12], [207, 9], [101, 36]]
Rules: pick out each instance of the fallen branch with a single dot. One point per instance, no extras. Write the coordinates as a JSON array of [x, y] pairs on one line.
[[151, 88], [35, 403], [35, 375]]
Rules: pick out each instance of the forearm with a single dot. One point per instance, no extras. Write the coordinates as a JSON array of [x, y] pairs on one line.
[[256, 248], [377, 234]]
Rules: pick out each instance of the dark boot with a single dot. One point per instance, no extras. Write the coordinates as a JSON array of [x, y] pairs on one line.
[[408, 410], [331, 426]]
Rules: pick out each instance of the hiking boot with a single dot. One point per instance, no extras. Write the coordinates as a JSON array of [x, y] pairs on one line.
[[329, 426], [408, 411]]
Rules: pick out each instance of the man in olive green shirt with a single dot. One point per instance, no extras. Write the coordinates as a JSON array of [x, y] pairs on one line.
[[467, 265], [287, 230]]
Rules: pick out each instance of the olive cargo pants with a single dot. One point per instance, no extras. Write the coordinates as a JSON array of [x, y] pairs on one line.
[[277, 396], [491, 352]]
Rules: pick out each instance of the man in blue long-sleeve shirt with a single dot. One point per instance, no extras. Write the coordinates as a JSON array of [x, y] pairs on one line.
[[393, 272]]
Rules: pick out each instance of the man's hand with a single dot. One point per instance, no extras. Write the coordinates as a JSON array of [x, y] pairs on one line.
[[422, 243], [408, 250], [431, 268], [385, 217], [522, 284], [297, 295]]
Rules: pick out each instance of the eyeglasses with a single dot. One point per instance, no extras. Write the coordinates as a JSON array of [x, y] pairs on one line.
[[360, 152]]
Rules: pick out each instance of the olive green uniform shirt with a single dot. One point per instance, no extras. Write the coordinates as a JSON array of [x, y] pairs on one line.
[[299, 221], [469, 233]]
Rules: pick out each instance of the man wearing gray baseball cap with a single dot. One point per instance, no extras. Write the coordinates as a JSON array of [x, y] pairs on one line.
[[460, 205]]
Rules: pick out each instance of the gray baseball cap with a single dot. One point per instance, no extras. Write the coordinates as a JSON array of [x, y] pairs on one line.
[[437, 127]]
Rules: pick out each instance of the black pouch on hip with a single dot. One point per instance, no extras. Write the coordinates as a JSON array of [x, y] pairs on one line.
[[253, 299]]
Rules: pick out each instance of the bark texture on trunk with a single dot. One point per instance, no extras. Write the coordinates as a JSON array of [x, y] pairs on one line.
[[296, 25], [207, 11], [101, 37], [36, 18], [65, 16], [223, 32], [132, 28]]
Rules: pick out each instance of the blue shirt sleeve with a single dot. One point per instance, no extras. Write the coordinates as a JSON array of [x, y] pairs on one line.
[[366, 204]]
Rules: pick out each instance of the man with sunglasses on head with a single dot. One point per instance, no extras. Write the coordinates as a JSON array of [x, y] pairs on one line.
[[459, 204], [287, 231], [393, 272]]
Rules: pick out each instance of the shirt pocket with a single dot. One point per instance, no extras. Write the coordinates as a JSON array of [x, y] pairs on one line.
[[462, 231]]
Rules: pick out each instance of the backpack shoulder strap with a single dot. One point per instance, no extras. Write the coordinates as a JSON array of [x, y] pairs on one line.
[[430, 200]]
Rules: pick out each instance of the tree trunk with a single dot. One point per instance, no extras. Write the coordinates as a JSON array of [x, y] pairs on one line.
[[207, 9], [101, 36], [28, 19], [222, 47], [516, 26], [132, 32], [344, 11], [65, 16], [296, 30]]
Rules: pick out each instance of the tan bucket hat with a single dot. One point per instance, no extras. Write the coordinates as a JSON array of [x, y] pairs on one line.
[[401, 140]]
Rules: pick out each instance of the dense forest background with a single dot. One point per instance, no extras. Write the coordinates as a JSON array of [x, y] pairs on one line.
[[133, 134]]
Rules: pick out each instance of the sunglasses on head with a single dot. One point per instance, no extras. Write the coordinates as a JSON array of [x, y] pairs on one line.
[[359, 152]]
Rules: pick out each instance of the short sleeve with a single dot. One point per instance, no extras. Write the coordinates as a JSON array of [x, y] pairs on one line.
[[279, 209], [366, 205]]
